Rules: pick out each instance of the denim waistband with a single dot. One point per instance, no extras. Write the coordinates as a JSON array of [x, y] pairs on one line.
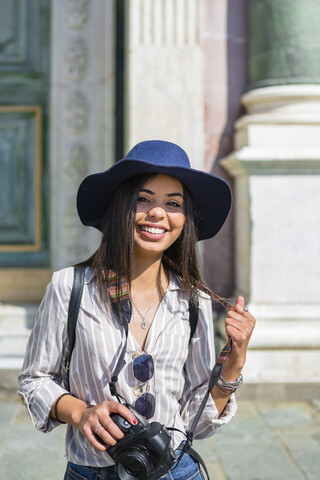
[[79, 472], [187, 469], [110, 469]]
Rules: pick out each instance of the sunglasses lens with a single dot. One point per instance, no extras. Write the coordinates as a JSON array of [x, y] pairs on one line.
[[143, 368], [146, 405]]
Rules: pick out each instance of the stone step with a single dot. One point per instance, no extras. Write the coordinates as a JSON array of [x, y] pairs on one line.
[[16, 322]]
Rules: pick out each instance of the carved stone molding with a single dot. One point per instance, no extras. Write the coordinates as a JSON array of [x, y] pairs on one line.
[[71, 221], [76, 164], [76, 61], [77, 13], [76, 112], [82, 116]]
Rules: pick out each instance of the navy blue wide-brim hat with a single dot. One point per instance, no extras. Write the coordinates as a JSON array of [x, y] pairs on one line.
[[211, 194]]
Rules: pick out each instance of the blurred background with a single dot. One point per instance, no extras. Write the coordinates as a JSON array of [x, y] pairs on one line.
[[236, 83]]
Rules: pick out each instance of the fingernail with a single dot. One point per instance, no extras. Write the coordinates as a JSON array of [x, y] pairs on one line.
[[107, 448], [134, 421]]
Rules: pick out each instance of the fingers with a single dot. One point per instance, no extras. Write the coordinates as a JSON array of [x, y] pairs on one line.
[[239, 305], [109, 433], [94, 439], [239, 322], [240, 302], [100, 429], [239, 326], [240, 333]]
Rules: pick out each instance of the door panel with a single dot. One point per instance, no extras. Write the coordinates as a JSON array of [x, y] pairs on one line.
[[18, 47], [24, 109], [20, 202]]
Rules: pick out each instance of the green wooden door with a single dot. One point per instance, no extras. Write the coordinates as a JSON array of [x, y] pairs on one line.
[[24, 109]]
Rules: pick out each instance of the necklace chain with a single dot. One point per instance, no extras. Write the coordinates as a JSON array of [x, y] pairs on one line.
[[143, 317], [143, 323]]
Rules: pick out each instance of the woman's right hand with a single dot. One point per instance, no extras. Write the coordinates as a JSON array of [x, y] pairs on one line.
[[87, 419], [93, 416]]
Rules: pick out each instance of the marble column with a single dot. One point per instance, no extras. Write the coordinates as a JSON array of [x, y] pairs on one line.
[[284, 42], [164, 74], [276, 166]]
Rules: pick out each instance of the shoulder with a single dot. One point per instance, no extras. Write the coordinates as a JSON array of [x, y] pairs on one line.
[[62, 283], [63, 279], [175, 285], [58, 291], [204, 301]]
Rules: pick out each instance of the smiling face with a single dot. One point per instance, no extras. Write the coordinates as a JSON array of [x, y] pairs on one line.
[[159, 215]]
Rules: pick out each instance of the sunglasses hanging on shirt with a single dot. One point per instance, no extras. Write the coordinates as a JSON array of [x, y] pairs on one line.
[[143, 371]]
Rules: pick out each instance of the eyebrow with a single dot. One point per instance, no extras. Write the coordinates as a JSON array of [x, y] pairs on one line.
[[173, 194]]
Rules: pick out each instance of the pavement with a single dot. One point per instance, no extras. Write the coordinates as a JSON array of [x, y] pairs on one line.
[[275, 435]]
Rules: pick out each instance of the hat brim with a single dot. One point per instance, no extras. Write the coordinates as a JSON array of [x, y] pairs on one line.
[[211, 194]]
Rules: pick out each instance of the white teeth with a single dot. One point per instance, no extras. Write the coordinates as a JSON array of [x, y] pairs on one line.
[[153, 230]]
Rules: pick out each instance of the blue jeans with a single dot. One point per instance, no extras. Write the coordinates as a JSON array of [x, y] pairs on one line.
[[188, 469]]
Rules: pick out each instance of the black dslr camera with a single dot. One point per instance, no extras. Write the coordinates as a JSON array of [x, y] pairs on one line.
[[144, 453]]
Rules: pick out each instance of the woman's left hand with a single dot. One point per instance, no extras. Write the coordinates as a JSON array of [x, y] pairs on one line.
[[239, 327]]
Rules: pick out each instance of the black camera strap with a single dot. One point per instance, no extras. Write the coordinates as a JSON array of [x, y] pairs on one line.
[[73, 310], [186, 445], [125, 310]]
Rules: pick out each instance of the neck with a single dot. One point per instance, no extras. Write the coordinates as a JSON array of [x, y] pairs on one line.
[[145, 274]]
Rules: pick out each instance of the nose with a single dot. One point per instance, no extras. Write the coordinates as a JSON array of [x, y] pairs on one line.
[[156, 212]]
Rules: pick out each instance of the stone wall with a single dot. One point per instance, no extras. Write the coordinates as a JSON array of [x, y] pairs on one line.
[[82, 117]]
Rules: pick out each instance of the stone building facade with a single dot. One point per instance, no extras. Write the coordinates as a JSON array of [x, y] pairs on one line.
[[234, 82]]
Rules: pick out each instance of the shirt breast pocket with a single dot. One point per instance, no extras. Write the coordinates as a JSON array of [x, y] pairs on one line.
[[170, 363], [176, 337]]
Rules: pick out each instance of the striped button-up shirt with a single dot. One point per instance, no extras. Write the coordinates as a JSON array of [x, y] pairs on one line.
[[181, 371]]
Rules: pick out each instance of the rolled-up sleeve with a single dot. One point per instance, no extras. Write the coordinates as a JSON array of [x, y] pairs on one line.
[[40, 382], [198, 367]]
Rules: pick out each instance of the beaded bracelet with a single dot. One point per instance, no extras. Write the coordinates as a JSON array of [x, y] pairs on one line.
[[56, 406]]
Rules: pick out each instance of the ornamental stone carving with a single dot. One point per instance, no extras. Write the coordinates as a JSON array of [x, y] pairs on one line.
[[76, 113], [71, 220], [77, 13], [76, 164], [76, 61]]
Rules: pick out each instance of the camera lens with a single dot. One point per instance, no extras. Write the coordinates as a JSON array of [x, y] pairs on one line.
[[133, 466]]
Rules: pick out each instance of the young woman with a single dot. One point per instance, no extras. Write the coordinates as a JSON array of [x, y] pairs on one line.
[[151, 208]]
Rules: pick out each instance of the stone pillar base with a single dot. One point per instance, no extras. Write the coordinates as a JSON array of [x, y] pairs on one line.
[[276, 166], [16, 322]]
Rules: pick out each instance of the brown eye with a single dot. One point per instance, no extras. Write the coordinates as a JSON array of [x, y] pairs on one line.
[[142, 199], [172, 203]]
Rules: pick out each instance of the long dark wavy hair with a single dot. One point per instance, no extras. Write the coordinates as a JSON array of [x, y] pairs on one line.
[[115, 253]]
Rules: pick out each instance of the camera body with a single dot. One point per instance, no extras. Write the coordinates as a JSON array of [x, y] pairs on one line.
[[144, 453]]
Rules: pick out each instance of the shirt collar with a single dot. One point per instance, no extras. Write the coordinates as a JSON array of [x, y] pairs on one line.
[[174, 281], [112, 281], [88, 275]]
